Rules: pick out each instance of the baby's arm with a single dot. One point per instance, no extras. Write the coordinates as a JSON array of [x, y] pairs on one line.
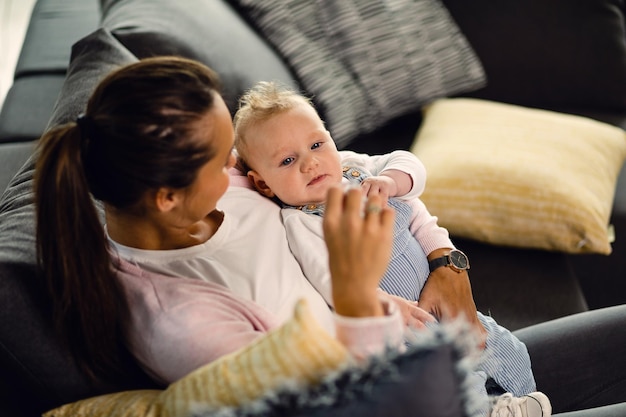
[[396, 174], [404, 164], [425, 229], [390, 183]]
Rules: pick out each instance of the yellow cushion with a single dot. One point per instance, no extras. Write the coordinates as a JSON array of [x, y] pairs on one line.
[[139, 403], [300, 351], [515, 176]]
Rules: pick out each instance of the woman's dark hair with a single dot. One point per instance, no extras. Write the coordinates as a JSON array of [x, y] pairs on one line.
[[140, 132]]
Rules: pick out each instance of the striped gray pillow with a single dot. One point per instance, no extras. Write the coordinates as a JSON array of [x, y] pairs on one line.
[[366, 62]]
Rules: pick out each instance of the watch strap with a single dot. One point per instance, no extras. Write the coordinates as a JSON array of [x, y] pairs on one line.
[[438, 262]]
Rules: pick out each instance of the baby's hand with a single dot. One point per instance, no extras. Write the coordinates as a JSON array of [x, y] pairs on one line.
[[412, 315], [381, 185]]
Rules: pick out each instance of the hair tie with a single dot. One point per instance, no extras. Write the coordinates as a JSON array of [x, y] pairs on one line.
[[84, 125], [85, 129]]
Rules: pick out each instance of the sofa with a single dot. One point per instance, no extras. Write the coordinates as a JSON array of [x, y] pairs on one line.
[[561, 57]]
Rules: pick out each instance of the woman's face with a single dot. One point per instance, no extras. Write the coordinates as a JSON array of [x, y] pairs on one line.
[[213, 178]]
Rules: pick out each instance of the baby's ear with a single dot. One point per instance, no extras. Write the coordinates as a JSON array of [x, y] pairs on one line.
[[260, 185]]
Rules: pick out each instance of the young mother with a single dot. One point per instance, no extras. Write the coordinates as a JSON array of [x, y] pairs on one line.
[[154, 146]]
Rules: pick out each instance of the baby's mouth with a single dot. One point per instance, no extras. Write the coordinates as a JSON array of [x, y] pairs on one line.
[[317, 179]]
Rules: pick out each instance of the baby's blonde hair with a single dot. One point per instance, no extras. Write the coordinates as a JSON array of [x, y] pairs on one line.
[[260, 103]]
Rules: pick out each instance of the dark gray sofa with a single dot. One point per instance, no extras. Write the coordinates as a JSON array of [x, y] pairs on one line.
[[534, 54]]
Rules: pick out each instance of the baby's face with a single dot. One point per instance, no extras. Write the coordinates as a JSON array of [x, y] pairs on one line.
[[295, 156]]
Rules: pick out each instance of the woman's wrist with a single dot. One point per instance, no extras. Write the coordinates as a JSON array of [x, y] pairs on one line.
[[357, 303]]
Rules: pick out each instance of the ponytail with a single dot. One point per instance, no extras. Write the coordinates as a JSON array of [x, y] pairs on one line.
[[88, 303], [140, 133]]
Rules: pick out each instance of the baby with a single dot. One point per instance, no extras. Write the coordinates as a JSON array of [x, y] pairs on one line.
[[297, 171], [290, 157]]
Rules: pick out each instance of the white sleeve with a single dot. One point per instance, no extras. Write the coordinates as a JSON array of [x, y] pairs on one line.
[[306, 242], [399, 160]]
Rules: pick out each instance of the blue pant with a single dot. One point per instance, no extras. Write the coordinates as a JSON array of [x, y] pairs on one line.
[[505, 359]]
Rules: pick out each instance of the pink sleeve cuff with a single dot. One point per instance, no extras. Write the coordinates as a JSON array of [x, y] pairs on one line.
[[370, 336]]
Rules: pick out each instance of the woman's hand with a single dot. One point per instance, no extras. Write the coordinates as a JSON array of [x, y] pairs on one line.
[[359, 247], [448, 294]]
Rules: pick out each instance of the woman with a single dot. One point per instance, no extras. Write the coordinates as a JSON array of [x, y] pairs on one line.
[[155, 147]]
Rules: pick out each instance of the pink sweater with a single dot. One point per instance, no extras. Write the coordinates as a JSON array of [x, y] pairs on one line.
[[180, 324]]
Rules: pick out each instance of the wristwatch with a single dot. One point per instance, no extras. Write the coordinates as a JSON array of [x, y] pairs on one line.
[[456, 260]]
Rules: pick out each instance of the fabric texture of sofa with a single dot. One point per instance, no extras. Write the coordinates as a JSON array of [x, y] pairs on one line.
[[532, 54]]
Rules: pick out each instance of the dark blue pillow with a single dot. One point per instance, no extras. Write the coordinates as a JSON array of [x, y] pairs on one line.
[[425, 381]]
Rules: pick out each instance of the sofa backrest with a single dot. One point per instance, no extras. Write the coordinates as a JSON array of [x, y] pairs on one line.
[[53, 27], [209, 31], [558, 54]]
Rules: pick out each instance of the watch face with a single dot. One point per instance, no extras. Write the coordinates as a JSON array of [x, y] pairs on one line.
[[458, 259]]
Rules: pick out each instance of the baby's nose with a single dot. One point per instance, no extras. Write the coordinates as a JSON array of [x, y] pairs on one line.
[[310, 162]]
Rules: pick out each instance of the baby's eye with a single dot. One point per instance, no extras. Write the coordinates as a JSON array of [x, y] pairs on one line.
[[316, 145], [287, 161]]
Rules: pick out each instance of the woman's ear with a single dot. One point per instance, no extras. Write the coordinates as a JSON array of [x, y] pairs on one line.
[[260, 185], [166, 199]]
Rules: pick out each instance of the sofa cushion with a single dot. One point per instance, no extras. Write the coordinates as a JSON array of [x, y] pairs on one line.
[[208, 31], [516, 176], [40, 70], [368, 62], [68, 21], [554, 54], [36, 368], [27, 107], [12, 157]]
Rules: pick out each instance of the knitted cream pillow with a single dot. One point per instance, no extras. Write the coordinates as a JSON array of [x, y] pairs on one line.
[[136, 403], [522, 177], [300, 351]]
